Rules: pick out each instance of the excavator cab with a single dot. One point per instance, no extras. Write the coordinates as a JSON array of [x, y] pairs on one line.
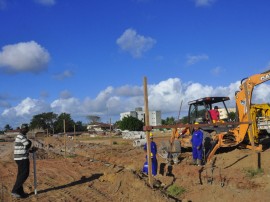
[[200, 112]]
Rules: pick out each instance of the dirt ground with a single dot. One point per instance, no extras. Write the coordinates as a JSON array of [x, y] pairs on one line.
[[107, 169]]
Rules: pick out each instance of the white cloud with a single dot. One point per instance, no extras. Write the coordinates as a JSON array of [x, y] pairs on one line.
[[134, 43], [193, 59], [63, 75], [24, 57], [261, 92], [23, 112], [46, 2], [201, 3], [165, 96], [70, 105]]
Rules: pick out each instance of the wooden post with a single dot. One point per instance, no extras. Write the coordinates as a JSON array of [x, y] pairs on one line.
[[149, 160], [74, 140], [111, 141], [65, 137]]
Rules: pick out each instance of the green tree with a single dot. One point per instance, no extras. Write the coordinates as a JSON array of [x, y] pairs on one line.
[[168, 121], [59, 124], [93, 118], [45, 121], [130, 123], [232, 116], [7, 127], [80, 127]]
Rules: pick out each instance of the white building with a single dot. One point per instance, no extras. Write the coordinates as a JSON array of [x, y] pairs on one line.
[[223, 114], [154, 116]]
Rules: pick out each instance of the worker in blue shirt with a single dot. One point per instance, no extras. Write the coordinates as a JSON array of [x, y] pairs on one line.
[[196, 141], [153, 157]]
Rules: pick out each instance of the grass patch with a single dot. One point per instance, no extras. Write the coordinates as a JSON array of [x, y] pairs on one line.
[[251, 172], [71, 156], [174, 190]]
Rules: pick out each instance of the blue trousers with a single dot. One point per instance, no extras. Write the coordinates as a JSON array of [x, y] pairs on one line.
[[197, 153], [154, 166]]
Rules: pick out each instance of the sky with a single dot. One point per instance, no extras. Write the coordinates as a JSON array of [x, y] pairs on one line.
[[90, 57]]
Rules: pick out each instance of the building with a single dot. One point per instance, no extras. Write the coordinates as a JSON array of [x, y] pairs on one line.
[[223, 114], [154, 116]]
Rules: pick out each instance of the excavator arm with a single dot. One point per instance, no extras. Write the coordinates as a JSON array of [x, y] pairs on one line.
[[243, 101]]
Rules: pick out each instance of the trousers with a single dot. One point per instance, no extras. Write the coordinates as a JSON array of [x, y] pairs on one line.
[[22, 175]]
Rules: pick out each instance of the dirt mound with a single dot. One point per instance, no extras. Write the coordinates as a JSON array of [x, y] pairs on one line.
[[101, 171]]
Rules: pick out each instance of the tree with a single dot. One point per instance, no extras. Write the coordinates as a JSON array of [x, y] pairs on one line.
[[130, 123], [45, 121], [59, 124], [8, 127], [93, 118], [232, 116], [80, 127], [168, 121], [184, 119]]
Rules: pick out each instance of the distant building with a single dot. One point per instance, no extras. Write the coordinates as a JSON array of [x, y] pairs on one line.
[[223, 113], [154, 116], [98, 127]]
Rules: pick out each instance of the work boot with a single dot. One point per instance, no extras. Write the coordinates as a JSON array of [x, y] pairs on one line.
[[199, 162], [194, 162]]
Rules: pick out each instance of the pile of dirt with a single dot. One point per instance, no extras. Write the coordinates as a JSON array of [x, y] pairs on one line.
[[101, 171]]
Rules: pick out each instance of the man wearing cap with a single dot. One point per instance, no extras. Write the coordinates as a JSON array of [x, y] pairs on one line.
[[153, 157], [21, 156], [214, 113], [196, 141]]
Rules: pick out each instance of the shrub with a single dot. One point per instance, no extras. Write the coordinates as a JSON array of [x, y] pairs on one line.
[[250, 172], [174, 190]]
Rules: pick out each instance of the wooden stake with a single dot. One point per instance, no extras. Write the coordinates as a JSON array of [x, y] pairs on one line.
[[65, 138], [149, 160]]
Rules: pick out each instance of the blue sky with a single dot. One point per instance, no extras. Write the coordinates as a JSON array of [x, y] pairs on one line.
[[90, 56]]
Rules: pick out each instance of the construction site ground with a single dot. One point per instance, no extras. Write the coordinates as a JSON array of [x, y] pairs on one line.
[[109, 169]]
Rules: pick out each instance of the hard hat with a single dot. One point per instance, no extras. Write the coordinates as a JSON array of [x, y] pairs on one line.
[[151, 135], [196, 123]]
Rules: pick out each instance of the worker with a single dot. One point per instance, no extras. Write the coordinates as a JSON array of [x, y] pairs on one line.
[[21, 156], [214, 113], [153, 154], [196, 141], [173, 154]]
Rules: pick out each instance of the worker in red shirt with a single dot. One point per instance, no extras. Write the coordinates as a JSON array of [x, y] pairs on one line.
[[214, 113]]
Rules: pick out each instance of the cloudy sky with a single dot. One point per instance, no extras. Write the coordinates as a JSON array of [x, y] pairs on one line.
[[90, 57]]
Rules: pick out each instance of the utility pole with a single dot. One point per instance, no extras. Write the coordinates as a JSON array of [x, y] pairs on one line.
[[149, 160], [180, 110], [65, 138]]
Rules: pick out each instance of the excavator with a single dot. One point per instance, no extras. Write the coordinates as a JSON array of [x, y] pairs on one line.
[[251, 126]]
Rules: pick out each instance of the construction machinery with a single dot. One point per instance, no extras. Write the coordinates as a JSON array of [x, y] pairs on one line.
[[251, 126]]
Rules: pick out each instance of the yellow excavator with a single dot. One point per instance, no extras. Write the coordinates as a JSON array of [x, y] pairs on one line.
[[251, 126], [253, 119]]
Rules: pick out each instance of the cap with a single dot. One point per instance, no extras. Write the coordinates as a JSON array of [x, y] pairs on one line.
[[216, 107], [24, 126]]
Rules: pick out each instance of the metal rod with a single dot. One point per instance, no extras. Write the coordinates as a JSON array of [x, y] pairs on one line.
[[35, 172]]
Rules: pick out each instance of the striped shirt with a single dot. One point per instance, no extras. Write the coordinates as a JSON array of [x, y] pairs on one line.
[[21, 147]]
